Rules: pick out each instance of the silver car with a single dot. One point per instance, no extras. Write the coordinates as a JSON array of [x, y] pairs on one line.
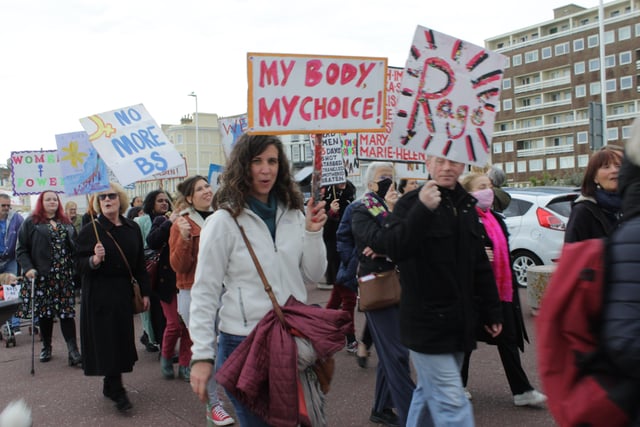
[[536, 219]]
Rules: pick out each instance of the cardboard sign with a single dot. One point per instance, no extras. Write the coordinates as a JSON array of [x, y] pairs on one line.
[[319, 94], [411, 171], [33, 172], [376, 146], [83, 170], [350, 153], [332, 163], [448, 94], [215, 173], [131, 143]]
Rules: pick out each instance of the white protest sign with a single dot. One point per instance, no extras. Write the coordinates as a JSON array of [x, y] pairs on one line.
[[131, 143], [447, 100], [350, 153], [411, 171], [376, 146], [230, 130], [33, 172], [319, 94], [332, 163]]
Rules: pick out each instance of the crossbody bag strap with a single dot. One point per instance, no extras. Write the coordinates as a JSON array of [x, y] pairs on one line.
[[267, 287], [124, 258]]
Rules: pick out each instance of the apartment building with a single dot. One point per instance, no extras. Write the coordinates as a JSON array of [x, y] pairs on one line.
[[553, 74]]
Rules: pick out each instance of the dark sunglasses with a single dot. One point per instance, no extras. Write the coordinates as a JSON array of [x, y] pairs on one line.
[[110, 196], [5, 206]]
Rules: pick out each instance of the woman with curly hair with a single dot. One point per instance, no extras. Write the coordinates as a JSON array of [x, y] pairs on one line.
[[258, 192]]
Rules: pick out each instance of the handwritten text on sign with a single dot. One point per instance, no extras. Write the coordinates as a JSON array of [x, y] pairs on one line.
[[33, 172], [297, 93], [131, 143], [376, 146], [448, 95]]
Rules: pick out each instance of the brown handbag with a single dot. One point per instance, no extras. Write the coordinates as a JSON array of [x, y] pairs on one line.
[[378, 290]]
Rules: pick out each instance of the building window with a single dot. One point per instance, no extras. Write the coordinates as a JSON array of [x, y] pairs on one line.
[[625, 58], [592, 41], [506, 84], [594, 88], [562, 49], [609, 61], [552, 163], [578, 67], [578, 44], [497, 147], [609, 37], [567, 162], [583, 160], [546, 52], [498, 165], [179, 139], [531, 56], [582, 137], [535, 165], [624, 33], [508, 146], [507, 62], [517, 60], [522, 166], [626, 132], [507, 104], [637, 30], [581, 91], [612, 134], [626, 82], [594, 64], [508, 167], [610, 85]]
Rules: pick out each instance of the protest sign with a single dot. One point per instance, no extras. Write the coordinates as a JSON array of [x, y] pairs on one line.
[[411, 170], [33, 172], [131, 143], [230, 130], [83, 170], [448, 94], [350, 153], [215, 173], [332, 163], [376, 146], [319, 94], [177, 172]]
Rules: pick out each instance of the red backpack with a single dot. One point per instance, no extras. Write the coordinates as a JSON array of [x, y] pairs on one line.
[[580, 388]]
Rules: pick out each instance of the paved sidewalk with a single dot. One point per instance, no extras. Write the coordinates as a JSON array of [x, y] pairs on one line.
[[62, 396]]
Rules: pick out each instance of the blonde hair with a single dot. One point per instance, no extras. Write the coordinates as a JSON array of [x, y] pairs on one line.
[[467, 180], [7, 278], [122, 195]]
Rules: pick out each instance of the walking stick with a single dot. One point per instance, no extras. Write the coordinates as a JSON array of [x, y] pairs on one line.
[[33, 329]]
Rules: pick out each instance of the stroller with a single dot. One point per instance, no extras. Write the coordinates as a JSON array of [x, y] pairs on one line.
[[16, 299], [7, 310]]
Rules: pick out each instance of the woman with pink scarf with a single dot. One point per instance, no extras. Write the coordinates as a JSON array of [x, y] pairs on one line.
[[511, 340]]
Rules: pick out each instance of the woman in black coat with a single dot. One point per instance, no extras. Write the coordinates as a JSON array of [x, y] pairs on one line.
[[106, 322], [511, 340], [44, 251], [596, 212]]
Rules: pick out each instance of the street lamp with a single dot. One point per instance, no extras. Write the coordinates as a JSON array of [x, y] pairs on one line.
[[197, 141]]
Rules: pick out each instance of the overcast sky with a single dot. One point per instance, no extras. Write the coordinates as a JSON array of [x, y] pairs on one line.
[[66, 59]]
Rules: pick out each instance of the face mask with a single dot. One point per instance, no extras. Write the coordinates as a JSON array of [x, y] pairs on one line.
[[383, 187], [485, 198]]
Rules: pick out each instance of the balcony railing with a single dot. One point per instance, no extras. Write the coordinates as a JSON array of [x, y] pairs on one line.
[[537, 152], [543, 105], [565, 80]]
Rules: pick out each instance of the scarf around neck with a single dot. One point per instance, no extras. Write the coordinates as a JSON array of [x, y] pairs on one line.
[[500, 265], [375, 206], [266, 211]]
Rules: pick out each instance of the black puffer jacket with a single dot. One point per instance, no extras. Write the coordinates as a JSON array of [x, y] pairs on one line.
[[447, 281]]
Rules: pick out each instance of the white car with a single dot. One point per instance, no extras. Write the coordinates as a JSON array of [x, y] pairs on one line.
[[536, 219]]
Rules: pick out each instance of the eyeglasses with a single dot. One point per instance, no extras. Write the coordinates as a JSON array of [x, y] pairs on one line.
[[110, 196], [5, 206]]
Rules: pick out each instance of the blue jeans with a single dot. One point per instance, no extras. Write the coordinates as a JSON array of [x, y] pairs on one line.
[[440, 390], [226, 344]]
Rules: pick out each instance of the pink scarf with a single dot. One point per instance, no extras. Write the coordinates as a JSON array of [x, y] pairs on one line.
[[501, 264]]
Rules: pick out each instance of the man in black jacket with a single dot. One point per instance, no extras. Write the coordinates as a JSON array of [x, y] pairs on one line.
[[447, 288]]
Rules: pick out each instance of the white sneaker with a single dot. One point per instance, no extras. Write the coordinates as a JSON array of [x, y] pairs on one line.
[[529, 398], [467, 394]]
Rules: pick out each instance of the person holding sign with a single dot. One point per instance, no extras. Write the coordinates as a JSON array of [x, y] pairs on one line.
[[44, 251], [394, 385], [259, 193], [447, 283], [109, 254]]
